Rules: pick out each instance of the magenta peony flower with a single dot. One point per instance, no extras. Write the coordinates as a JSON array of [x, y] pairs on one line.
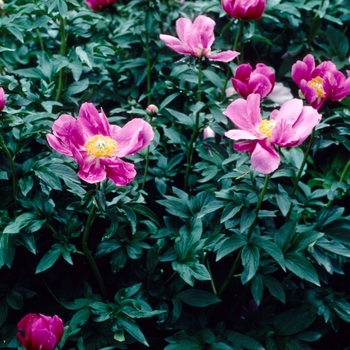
[[2, 99], [196, 39], [39, 332], [260, 81], [244, 9], [287, 127], [96, 4], [98, 146], [320, 83]]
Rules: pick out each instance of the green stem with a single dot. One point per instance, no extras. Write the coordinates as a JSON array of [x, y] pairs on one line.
[[87, 252], [13, 170], [195, 129], [251, 228], [63, 54], [342, 178], [258, 205], [146, 164], [238, 39], [301, 169], [306, 154], [40, 40], [148, 61]]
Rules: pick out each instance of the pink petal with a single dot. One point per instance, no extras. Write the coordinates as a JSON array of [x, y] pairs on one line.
[[134, 136], [202, 35], [240, 87], [43, 339], [121, 173], [264, 158], [176, 45], [260, 84], [95, 173], [224, 56], [245, 114], [58, 145], [289, 111], [92, 122], [303, 69], [245, 146], [183, 28], [240, 135]]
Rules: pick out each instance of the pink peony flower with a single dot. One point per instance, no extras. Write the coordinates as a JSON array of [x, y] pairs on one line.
[[196, 39], [98, 146], [320, 83], [2, 99], [287, 127], [244, 9], [39, 332], [260, 81], [96, 4]]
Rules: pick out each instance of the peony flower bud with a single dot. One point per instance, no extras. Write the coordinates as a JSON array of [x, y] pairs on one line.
[[152, 110], [96, 4], [208, 132], [244, 9], [40, 332]]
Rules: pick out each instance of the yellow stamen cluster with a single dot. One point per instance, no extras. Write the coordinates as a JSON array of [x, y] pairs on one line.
[[266, 126], [316, 83], [101, 146]]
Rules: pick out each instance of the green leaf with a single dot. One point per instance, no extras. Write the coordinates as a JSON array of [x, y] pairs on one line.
[[3, 311], [284, 203], [294, 321], [49, 177], [283, 236], [49, 258], [78, 87], [247, 219], [30, 221], [275, 288], [80, 318], [270, 248], [230, 211], [4, 241], [191, 270], [302, 268], [338, 42], [197, 297], [14, 300], [250, 259], [230, 245], [257, 288], [133, 329], [167, 100], [243, 340]]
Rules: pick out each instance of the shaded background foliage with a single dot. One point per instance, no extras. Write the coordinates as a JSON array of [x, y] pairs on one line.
[[164, 251]]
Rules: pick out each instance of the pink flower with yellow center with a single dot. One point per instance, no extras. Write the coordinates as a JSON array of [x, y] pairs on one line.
[[247, 81], [98, 146], [196, 39], [287, 127], [320, 83]]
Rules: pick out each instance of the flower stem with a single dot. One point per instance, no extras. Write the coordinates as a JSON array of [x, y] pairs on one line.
[[148, 57], [195, 129], [146, 163], [301, 169], [87, 252], [62, 53], [342, 178], [13, 170], [238, 40], [251, 228], [306, 154]]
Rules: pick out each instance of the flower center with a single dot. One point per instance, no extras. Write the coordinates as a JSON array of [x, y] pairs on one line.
[[316, 83], [101, 146], [266, 126]]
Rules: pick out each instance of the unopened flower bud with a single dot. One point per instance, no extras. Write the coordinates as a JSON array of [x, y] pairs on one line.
[[208, 132], [2, 99], [152, 110]]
